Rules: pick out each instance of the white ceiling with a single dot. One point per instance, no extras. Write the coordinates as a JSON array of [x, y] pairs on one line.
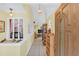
[[17, 7], [47, 8]]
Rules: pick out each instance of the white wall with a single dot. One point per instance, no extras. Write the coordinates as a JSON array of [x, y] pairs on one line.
[[19, 10]]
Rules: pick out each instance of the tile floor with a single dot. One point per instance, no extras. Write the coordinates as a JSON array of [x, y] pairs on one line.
[[37, 48]]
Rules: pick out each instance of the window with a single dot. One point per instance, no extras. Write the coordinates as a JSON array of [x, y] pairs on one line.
[[16, 28]]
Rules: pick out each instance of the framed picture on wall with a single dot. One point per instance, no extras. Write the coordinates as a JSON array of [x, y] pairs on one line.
[[2, 26]]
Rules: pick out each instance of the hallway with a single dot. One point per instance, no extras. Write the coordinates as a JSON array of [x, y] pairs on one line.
[[37, 49], [21, 23]]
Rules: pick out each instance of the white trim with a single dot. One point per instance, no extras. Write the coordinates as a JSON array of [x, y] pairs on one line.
[[13, 28]]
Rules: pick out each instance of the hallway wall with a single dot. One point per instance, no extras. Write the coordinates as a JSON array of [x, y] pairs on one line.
[[26, 14]]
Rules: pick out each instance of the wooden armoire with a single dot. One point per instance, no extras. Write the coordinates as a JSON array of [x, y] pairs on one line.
[[67, 30]]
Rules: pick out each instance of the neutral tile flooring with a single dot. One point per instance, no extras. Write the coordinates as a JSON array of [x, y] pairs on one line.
[[37, 48]]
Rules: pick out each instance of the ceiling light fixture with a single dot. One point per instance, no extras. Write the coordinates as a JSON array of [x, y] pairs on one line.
[[39, 9], [11, 12]]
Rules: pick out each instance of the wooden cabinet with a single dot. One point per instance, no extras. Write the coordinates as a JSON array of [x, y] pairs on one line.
[[48, 40], [66, 30], [49, 43]]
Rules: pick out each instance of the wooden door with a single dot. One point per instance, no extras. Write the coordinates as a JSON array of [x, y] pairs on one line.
[[63, 31], [70, 14], [74, 40], [57, 35], [67, 29], [71, 43]]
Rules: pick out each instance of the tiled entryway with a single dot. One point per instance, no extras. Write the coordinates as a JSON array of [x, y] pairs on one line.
[[37, 48]]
